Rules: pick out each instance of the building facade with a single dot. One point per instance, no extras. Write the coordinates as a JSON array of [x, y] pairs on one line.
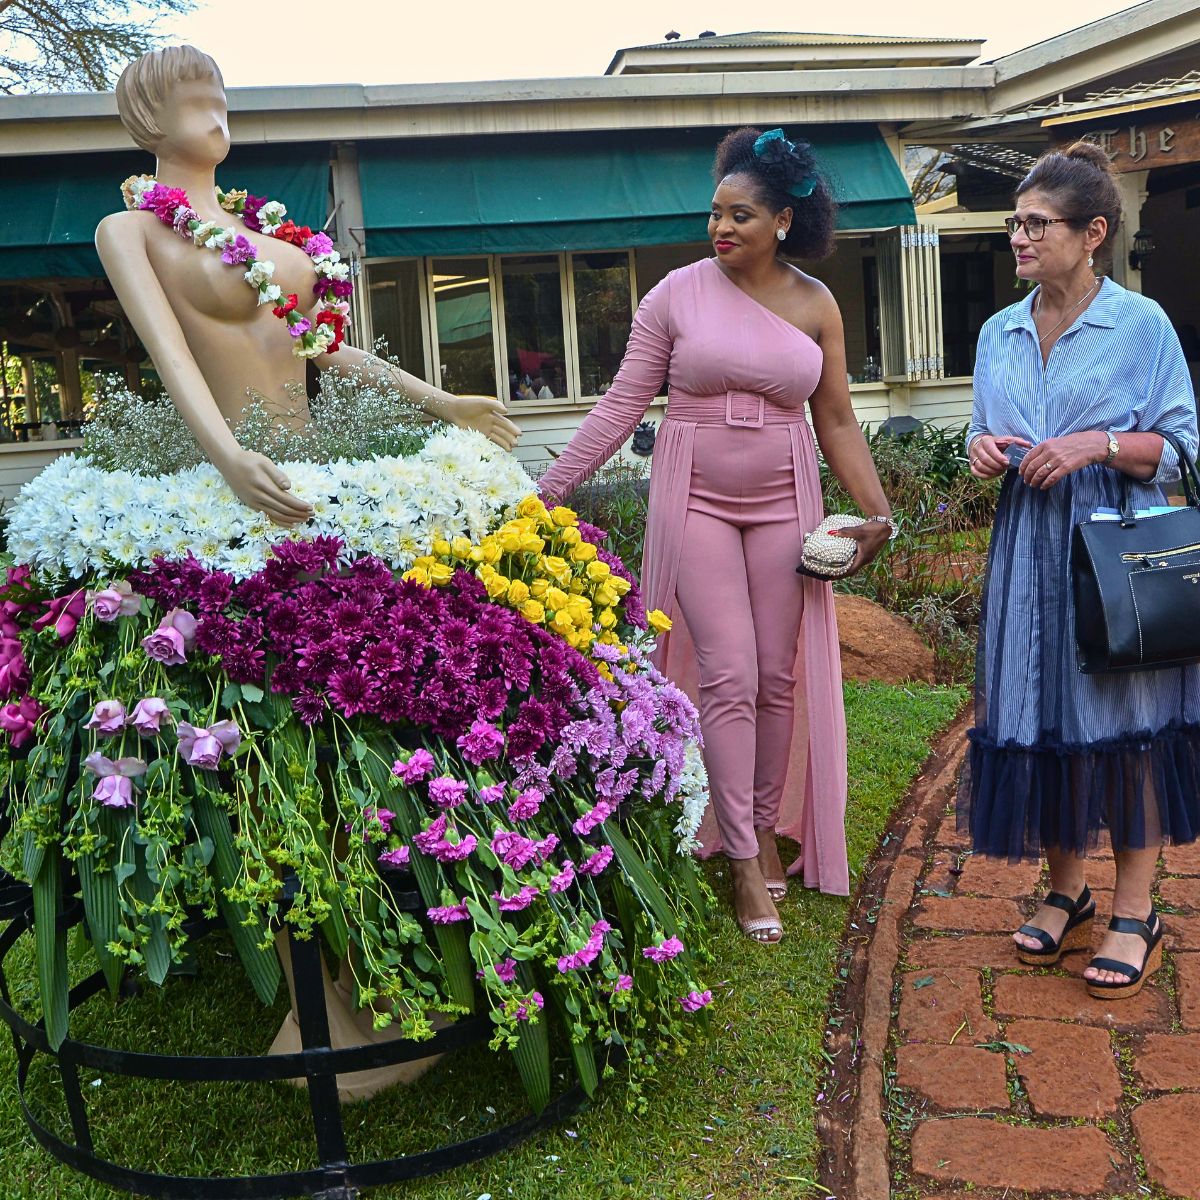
[[503, 233]]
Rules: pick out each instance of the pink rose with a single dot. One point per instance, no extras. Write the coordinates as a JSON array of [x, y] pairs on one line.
[[63, 613], [18, 720], [107, 718], [170, 642], [115, 787], [116, 601], [149, 715], [203, 748]]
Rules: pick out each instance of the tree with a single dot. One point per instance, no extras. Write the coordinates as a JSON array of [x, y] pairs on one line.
[[74, 45]]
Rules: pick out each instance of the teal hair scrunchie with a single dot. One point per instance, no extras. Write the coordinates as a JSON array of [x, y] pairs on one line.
[[775, 148]]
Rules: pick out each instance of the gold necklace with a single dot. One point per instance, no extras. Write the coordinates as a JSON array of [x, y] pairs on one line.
[[1095, 283]]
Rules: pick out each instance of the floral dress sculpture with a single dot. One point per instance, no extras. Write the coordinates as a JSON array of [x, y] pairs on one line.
[[418, 679]]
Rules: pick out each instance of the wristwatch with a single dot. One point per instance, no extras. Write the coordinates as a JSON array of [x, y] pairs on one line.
[[1114, 447], [890, 522]]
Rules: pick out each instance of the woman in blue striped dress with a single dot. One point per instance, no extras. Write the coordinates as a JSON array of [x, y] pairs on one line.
[[1075, 377]]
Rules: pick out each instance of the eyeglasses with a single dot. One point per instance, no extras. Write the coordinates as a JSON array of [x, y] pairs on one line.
[[1035, 227]]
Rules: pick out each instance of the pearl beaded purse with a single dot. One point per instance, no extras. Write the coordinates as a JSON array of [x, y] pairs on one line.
[[826, 556]]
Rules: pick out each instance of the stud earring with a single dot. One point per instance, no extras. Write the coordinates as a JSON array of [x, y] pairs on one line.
[[781, 234]]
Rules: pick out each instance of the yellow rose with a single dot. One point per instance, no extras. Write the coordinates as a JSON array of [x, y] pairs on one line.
[[556, 598], [518, 593], [607, 618], [476, 555], [497, 586], [619, 585], [562, 623], [598, 570], [531, 543], [509, 540], [441, 573], [532, 506], [441, 547], [605, 670], [569, 537], [608, 638], [538, 588], [557, 568], [605, 595], [492, 551], [659, 621], [563, 517], [585, 552], [460, 547], [531, 610], [580, 610], [578, 586], [418, 575]]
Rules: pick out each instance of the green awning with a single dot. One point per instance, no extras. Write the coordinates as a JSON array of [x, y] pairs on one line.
[[527, 193], [50, 205]]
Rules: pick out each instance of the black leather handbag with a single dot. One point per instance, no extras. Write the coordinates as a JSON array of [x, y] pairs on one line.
[[1136, 582]]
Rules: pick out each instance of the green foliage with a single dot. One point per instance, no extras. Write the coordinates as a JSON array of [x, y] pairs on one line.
[[933, 572], [615, 499]]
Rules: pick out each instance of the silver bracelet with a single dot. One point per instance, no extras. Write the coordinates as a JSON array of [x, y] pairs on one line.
[[890, 522]]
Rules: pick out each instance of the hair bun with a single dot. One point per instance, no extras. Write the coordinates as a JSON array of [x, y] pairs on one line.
[[1090, 152]]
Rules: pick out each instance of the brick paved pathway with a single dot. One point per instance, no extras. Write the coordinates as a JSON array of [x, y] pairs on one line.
[[1011, 1079]]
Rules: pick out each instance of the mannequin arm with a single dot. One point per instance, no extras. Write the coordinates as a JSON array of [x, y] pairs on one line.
[[255, 480], [483, 413]]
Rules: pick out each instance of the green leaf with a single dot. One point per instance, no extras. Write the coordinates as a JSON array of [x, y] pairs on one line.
[[261, 966], [251, 692], [231, 695], [648, 888], [532, 1056], [51, 943], [100, 902]]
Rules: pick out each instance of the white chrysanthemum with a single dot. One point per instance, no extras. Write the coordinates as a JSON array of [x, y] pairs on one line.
[[74, 517], [692, 797]]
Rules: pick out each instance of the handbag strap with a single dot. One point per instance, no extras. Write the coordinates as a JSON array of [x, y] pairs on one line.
[[1187, 471]]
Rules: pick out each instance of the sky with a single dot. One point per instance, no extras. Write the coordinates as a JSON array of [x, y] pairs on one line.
[[431, 41]]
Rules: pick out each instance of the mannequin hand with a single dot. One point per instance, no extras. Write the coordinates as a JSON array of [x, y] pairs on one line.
[[987, 455], [258, 482], [1056, 458], [871, 537], [485, 414]]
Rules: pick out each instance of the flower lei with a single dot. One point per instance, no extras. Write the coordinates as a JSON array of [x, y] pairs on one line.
[[312, 335]]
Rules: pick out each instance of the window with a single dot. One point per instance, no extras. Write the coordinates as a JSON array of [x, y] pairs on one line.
[[533, 327], [462, 303], [603, 314], [395, 299], [968, 299]]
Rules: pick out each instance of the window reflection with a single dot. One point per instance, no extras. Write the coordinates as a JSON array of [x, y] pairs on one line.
[[395, 297], [533, 326], [602, 317], [463, 313]]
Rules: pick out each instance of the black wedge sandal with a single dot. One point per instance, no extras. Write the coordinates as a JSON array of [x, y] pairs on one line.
[[1151, 932], [1076, 934]]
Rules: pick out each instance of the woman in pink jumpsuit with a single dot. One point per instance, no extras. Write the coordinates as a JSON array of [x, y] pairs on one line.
[[744, 340]]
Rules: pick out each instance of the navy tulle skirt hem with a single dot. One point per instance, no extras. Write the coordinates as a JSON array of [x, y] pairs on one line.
[[1017, 801]]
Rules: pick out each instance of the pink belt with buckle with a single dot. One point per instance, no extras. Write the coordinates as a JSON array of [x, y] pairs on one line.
[[742, 410]]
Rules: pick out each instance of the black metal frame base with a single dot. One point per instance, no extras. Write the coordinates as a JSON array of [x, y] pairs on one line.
[[336, 1178]]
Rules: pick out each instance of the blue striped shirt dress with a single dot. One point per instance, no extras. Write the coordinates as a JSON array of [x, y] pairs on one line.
[[1056, 756]]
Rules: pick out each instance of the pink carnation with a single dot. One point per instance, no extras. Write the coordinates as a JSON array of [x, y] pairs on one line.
[[415, 768], [595, 863], [694, 1001], [483, 741], [564, 878], [492, 793], [446, 792], [664, 951], [395, 858], [447, 914], [526, 806], [522, 900]]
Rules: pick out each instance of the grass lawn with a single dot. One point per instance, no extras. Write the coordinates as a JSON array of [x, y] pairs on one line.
[[731, 1117]]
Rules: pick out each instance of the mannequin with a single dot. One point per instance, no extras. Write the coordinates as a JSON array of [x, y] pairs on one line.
[[195, 314], [212, 344]]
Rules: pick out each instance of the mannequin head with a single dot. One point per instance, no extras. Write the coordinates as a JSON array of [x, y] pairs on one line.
[[172, 102]]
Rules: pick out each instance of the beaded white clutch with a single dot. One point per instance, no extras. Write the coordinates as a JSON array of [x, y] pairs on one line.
[[826, 556]]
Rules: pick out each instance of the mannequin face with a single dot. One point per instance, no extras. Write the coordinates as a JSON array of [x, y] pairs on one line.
[[194, 119], [741, 227]]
